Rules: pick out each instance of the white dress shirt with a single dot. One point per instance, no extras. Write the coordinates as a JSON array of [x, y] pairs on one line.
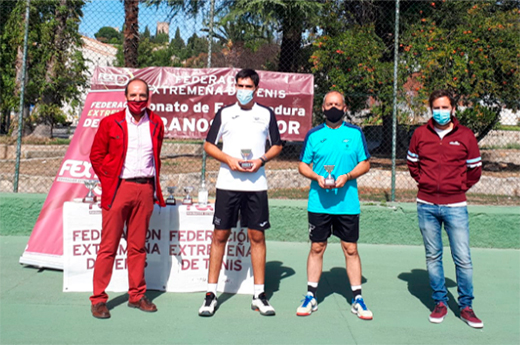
[[139, 160]]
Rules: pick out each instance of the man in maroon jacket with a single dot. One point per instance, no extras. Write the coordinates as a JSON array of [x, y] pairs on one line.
[[125, 155], [444, 159]]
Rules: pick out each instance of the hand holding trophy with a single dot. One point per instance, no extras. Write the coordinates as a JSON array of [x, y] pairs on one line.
[[246, 155], [329, 180]]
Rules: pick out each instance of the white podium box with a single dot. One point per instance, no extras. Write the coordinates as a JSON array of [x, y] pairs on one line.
[[178, 244]]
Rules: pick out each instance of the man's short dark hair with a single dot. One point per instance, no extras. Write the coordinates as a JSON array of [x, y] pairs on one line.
[[439, 94], [248, 73], [137, 79]]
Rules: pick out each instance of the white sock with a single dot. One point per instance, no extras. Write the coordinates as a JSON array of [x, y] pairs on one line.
[[212, 288], [259, 288]]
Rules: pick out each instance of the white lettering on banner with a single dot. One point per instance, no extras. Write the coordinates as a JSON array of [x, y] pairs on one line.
[[94, 123], [201, 108], [110, 78], [188, 124], [191, 125], [291, 127], [169, 107], [101, 113], [268, 93], [218, 105], [186, 90], [76, 168], [105, 105], [281, 110]]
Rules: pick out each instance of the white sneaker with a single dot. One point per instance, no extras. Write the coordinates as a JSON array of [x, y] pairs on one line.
[[308, 306], [209, 306], [359, 308], [262, 305]]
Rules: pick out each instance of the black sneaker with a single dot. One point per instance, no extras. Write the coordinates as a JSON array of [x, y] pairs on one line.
[[262, 305], [209, 306]]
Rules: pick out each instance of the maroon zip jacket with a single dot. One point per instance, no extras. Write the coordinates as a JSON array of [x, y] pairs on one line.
[[109, 151], [444, 169]]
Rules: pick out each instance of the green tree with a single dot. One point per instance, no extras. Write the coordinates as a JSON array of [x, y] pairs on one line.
[[178, 43], [290, 18], [7, 57], [56, 70], [108, 34], [471, 49], [146, 33], [161, 38], [352, 63]]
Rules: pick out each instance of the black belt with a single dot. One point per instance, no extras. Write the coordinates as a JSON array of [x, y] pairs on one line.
[[141, 180]]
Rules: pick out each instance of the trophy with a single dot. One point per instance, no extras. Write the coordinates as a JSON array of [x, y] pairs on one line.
[[246, 154], [90, 197], [329, 180], [187, 199], [171, 199]]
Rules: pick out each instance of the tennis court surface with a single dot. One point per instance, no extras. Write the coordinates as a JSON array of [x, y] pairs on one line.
[[34, 310]]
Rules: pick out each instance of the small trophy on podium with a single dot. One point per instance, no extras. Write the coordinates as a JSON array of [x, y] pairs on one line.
[[90, 197], [171, 199], [187, 199], [246, 155], [329, 180]]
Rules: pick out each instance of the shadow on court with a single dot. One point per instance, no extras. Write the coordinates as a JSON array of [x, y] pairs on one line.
[[275, 271], [336, 281], [419, 286], [123, 299]]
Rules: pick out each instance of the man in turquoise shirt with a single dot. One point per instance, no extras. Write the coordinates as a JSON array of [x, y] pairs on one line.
[[333, 206]]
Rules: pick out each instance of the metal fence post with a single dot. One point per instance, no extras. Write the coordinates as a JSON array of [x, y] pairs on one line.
[[210, 43], [22, 100], [394, 112]]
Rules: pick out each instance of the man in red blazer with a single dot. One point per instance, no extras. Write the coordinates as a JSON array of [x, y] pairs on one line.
[[125, 155]]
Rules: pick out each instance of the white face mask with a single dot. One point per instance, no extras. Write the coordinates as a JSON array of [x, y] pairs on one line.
[[244, 96], [442, 116]]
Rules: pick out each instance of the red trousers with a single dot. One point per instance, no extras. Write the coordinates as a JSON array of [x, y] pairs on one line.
[[133, 206]]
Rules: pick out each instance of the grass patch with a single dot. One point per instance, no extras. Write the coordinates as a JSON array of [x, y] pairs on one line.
[[509, 128], [509, 146], [35, 141], [381, 196]]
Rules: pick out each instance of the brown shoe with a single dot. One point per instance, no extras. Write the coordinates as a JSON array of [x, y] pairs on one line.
[[100, 310], [143, 304]]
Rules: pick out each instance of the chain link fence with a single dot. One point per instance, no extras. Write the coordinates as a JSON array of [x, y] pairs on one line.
[[469, 47]]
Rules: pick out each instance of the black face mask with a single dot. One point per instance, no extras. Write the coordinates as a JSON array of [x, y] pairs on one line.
[[334, 114]]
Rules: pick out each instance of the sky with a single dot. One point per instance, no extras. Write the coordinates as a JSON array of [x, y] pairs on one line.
[[100, 13]]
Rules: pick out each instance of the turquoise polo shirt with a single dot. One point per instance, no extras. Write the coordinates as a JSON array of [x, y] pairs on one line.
[[343, 147]]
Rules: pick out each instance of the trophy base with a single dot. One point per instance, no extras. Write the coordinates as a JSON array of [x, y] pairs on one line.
[[187, 201], [246, 165], [171, 202], [330, 182], [90, 199]]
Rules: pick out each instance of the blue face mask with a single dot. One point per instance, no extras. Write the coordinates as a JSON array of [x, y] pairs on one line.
[[244, 96], [442, 116]]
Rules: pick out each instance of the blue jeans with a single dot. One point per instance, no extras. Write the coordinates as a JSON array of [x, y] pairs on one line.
[[456, 225]]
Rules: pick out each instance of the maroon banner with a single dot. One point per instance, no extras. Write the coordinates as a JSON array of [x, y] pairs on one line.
[[186, 100]]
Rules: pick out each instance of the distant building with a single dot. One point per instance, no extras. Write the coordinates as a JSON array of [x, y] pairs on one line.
[[96, 54], [163, 28]]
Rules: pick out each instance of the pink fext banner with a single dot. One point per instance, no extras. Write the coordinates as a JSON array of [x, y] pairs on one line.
[[187, 100]]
